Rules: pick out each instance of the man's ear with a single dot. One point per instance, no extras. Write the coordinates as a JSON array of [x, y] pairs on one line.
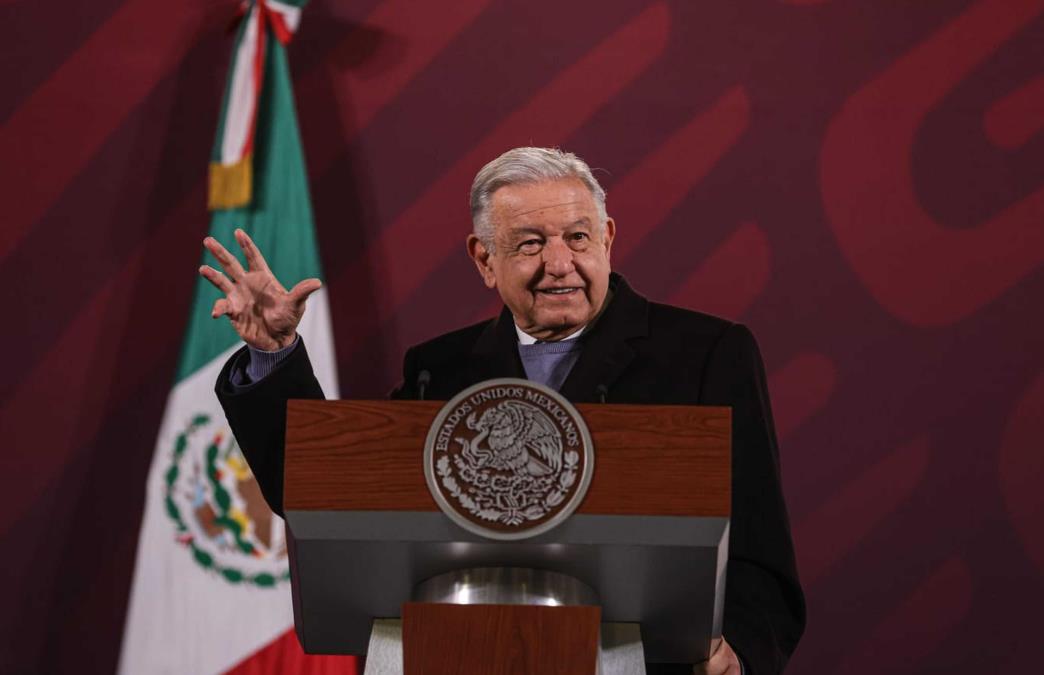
[[478, 252], [608, 235]]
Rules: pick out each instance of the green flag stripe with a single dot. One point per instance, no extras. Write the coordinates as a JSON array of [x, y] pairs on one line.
[[279, 220]]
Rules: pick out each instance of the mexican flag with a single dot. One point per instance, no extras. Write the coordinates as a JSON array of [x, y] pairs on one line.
[[211, 587]]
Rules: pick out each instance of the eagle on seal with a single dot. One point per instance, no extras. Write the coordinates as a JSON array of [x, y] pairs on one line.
[[521, 438]]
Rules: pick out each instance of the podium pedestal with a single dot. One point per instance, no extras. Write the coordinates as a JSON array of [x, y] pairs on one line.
[[620, 650]]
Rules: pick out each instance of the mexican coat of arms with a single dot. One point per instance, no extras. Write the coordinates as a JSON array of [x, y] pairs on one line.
[[508, 459]]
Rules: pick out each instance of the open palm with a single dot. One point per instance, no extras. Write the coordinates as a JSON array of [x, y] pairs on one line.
[[262, 311]]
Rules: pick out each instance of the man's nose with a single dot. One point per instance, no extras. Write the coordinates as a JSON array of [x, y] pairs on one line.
[[558, 257]]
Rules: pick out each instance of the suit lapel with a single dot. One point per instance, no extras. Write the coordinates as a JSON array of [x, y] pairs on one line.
[[496, 351], [605, 356], [606, 352]]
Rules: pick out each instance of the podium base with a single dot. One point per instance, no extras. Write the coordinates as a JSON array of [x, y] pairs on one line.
[[619, 652]]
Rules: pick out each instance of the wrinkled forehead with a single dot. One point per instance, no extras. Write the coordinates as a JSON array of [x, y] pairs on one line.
[[551, 203]]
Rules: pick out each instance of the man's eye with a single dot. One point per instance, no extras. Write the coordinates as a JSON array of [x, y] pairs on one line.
[[529, 245], [579, 236]]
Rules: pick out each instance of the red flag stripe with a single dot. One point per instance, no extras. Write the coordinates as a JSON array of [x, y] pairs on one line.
[[285, 656]]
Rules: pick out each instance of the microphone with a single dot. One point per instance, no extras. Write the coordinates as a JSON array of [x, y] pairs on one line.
[[423, 380], [603, 392]]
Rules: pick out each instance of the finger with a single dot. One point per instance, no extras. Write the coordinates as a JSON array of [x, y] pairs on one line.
[[221, 307], [216, 278], [255, 261], [300, 292], [229, 263]]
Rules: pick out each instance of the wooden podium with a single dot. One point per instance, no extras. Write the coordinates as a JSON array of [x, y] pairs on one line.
[[650, 540]]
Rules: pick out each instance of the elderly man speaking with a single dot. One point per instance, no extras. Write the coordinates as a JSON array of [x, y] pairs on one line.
[[542, 239]]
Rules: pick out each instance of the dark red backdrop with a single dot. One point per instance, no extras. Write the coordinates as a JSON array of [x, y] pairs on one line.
[[860, 182]]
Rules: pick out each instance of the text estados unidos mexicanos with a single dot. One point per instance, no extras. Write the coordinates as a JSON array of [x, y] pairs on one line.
[[572, 436]]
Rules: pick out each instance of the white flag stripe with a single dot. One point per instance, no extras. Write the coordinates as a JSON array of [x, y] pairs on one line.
[[184, 617], [317, 328], [242, 95]]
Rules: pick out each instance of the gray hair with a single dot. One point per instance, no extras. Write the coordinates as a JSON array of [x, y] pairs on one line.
[[527, 165]]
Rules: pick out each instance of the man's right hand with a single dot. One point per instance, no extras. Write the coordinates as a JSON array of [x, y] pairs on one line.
[[263, 312]]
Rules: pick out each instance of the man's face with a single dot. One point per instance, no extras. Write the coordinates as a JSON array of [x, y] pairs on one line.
[[551, 259]]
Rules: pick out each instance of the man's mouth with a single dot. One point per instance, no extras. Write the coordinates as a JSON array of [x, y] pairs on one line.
[[558, 291]]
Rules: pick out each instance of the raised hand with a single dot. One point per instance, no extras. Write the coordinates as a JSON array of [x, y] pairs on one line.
[[263, 312]]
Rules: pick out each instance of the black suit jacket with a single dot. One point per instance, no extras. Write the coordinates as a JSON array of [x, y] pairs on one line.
[[638, 352]]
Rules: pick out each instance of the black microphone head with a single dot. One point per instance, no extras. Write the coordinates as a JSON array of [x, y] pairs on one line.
[[423, 378]]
